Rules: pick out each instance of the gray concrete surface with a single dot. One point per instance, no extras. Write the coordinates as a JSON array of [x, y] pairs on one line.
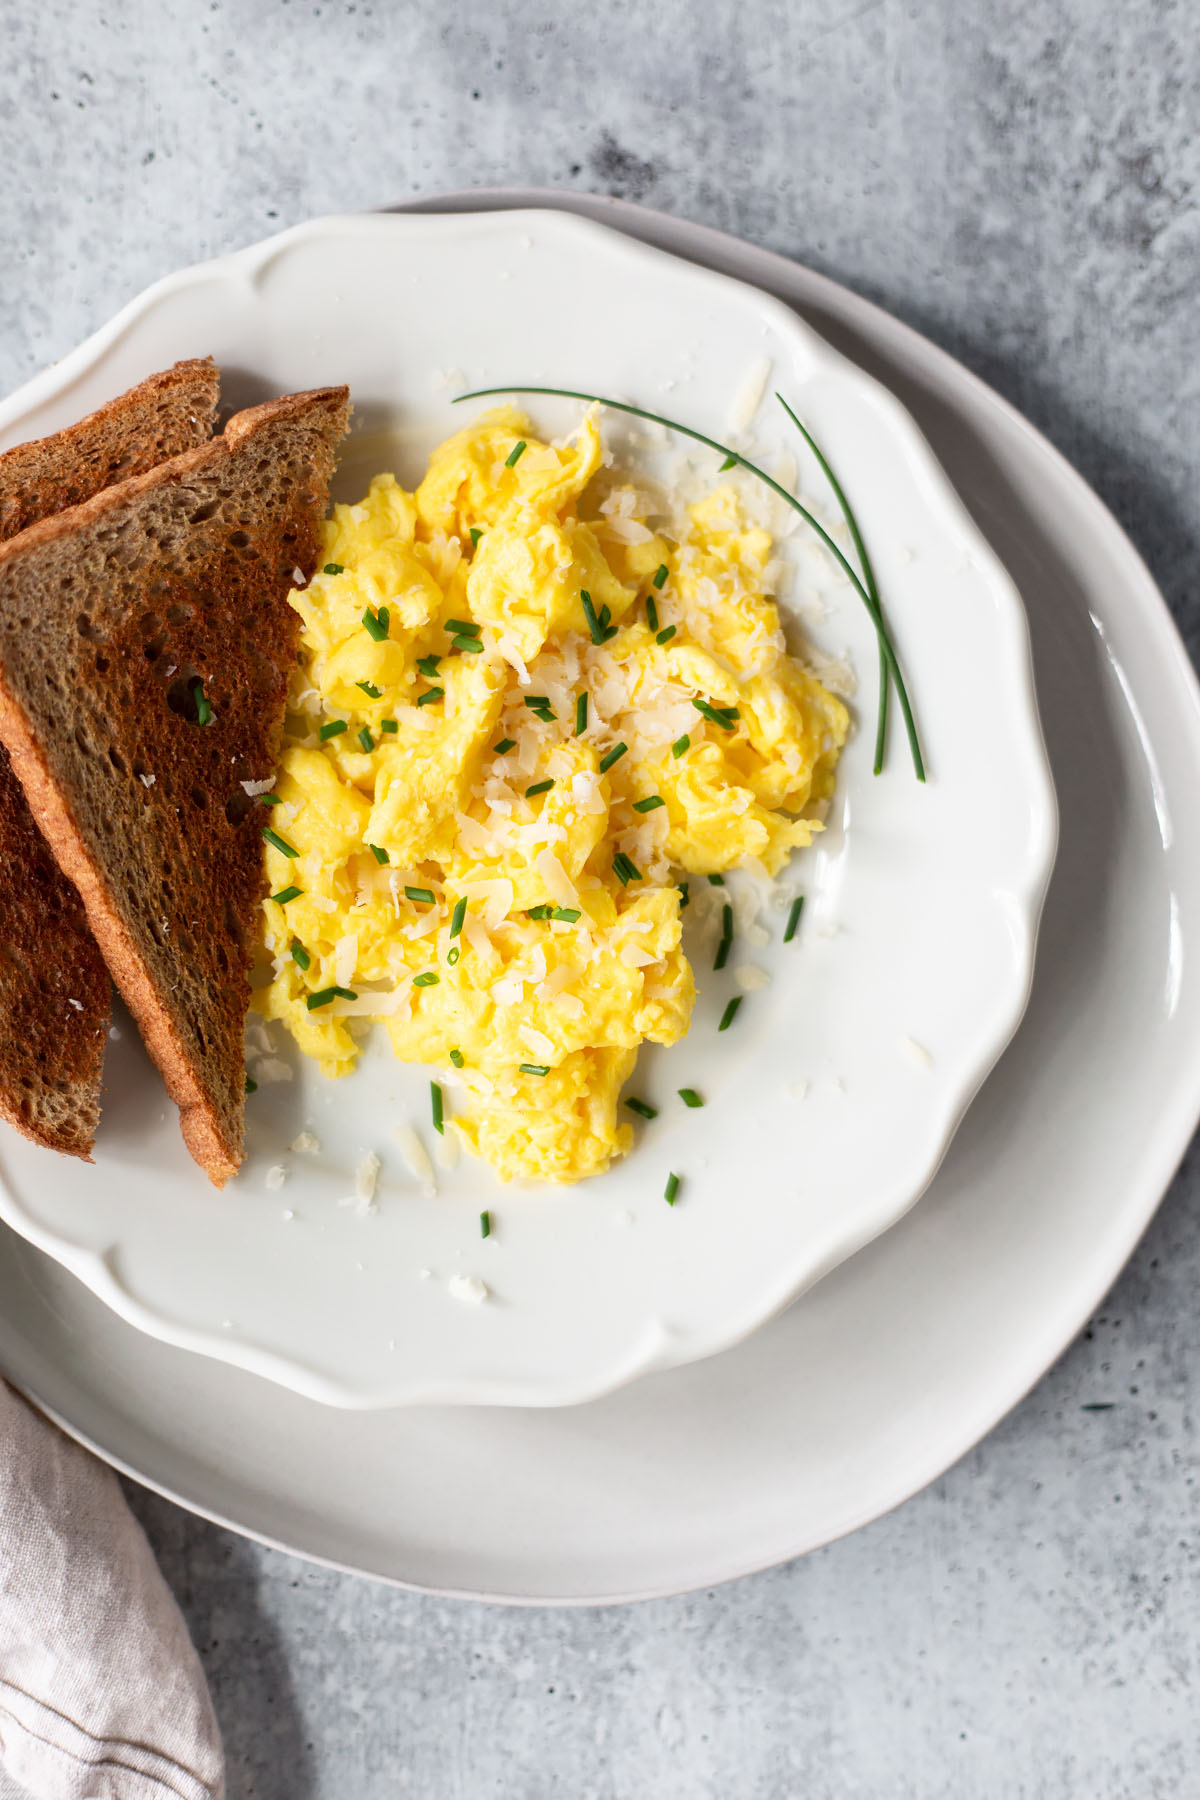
[[1019, 181]]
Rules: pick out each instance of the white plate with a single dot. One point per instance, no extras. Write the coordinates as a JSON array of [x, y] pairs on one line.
[[896, 1364], [923, 900]]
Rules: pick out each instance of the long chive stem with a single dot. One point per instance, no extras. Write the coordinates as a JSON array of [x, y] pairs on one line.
[[887, 653], [735, 459]]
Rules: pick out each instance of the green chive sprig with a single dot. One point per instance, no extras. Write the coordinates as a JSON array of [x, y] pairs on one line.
[[515, 454], [428, 979], [419, 896], [581, 713], [204, 711], [614, 756], [379, 853], [334, 729], [624, 870], [865, 585], [431, 696], [327, 994], [280, 843], [435, 1101], [538, 787], [671, 1189], [690, 1097], [730, 1013], [793, 921], [597, 622], [726, 943], [286, 894], [533, 1068], [640, 1107], [376, 620], [457, 916], [649, 804], [300, 955], [485, 1224]]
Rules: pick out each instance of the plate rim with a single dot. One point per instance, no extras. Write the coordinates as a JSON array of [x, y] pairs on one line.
[[626, 1360], [1139, 1205]]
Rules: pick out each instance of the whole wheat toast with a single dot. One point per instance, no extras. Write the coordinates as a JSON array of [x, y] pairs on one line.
[[145, 647], [54, 989]]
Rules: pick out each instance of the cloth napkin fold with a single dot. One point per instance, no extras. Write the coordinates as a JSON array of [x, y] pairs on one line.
[[102, 1696]]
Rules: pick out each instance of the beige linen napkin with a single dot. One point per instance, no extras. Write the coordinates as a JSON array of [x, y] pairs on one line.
[[101, 1694]]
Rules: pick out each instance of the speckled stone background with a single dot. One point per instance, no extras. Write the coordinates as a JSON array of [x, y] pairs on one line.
[[1020, 182]]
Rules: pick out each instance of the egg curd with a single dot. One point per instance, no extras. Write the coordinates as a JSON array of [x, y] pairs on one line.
[[522, 717]]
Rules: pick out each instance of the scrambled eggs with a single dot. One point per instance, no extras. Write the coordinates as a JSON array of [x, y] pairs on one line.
[[519, 721]]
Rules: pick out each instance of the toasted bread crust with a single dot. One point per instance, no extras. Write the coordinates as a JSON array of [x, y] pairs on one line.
[[159, 418], [55, 993], [173, 576]]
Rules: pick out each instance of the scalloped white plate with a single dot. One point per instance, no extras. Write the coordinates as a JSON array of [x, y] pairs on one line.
[[923, 901]]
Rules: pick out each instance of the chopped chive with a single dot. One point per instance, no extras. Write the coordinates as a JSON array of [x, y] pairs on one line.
[[660, 575], [428, 979], [566, 914], [665, 636], [581, 713], [671, 1189], [270, 800], [485, 1224], [683, 894], [793, 918], [462, 628], [457, 1058], [280, 843], [457, 916], [334, 569], [731, 462], [366, 740], [614, 756], [428, 665], [515, 454], [204, 711], [369, 688], [680, 745], [328, 994], [649, 804], [286, 894], [542, 911], [533, 1068], [539, 787], [535, 700], [251, 1085], [452, 955], [430, 695], [376, 622], [300, 955], [640, 1107], [470, 645], [423, 896], [599, 628], [389, 725], [624, 870], [379, 853], [476, 534], [334, 729], [690, 1097], [716, 881], [435, 1098], [503, 747], [730, 1013], [723, 948], [651, 612], [723, 716]]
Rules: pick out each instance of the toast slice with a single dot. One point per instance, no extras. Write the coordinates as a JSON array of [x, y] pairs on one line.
[[54, 989], [145, 646]]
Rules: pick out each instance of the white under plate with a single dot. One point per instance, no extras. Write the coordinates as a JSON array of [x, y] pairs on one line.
[[897, 1363], [830, 1103]]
